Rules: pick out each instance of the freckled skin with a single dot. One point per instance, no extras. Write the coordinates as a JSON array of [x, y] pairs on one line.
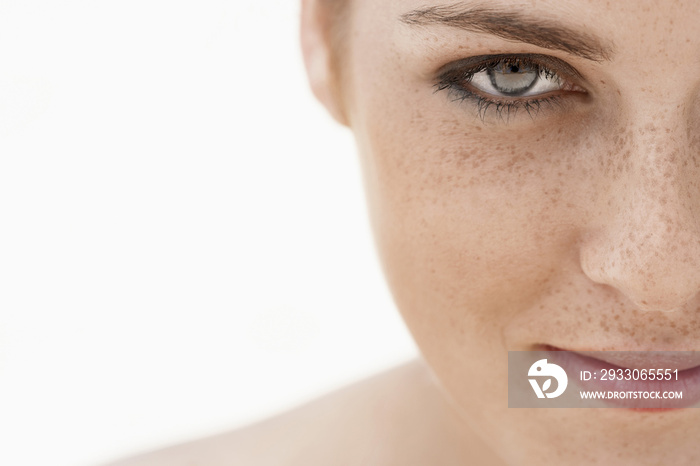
[[579, 227]]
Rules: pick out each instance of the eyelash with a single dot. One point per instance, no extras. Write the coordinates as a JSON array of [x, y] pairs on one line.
[[453, 81]]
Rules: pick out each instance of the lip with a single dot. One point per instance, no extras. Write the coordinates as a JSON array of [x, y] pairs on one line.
[[680, 360], [686, 363]]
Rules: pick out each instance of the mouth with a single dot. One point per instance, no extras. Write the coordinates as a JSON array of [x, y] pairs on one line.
[[658, 374], [681, 360]]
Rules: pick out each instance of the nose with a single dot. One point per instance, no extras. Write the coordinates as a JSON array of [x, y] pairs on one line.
[[647, 240]]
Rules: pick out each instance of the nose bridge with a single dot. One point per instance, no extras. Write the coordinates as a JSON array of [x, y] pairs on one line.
[[649, 244]]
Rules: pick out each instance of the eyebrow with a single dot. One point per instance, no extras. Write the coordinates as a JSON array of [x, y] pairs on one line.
[[511, 25]]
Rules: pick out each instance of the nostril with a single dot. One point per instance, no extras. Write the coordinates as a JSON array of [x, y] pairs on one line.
[[654, 270], [663, 311], [663, 307]]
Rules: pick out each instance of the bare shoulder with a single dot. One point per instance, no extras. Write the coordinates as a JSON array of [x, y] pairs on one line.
[[359, 424]]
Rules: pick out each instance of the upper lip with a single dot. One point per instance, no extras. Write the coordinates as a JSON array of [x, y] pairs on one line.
[[643, 359]]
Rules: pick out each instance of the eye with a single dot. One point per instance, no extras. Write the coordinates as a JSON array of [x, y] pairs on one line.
[[508, 83], [515, 78]]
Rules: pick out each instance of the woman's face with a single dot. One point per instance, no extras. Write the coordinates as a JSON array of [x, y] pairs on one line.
[[533, 177]]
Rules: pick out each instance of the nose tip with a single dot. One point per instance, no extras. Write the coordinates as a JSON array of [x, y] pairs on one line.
[[644, 239], [648, 245], [656, 271]]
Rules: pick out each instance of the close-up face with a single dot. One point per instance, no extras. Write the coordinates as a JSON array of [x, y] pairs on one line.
[[531, 171]]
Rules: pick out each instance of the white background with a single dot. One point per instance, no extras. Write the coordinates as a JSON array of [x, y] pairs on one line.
[[184, 246]]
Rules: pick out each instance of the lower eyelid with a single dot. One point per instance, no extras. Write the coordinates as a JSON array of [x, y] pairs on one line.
[[468, 87], [505, 100], [506, 109]]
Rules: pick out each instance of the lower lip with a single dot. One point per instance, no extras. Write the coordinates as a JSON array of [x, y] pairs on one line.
[[688, 382]]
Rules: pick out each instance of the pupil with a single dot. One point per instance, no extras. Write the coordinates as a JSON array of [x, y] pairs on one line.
[[512, 77]]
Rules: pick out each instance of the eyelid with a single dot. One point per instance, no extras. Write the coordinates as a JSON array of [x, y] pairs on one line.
[[562, 68], [455, 78]]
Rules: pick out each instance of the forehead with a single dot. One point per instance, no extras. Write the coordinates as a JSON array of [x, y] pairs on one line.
[[643, 21]]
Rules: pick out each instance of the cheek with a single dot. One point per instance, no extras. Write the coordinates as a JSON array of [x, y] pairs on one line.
[[472, 221], [461, 212], [473, 224]]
